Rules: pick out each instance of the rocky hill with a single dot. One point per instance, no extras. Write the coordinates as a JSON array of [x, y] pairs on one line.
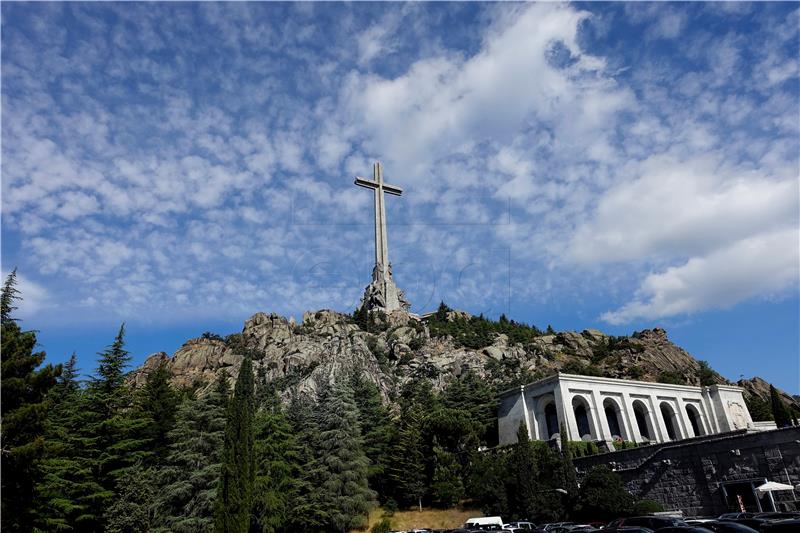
[[392, 350]]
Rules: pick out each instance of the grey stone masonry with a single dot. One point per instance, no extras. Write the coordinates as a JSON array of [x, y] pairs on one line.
[[710, 475]]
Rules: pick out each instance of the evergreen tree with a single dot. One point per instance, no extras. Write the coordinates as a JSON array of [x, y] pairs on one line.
[[276, 467], [521, 485], [345, 488], [407, 472], [568, 475], [783, 417], [158, 403], [189, 478], [473, 395], [603, 495], [24, 411], [377, 429], [132, 511], [68, 486], [117, 430], [307, 502], [486, 481], [235, 489], [447, 489]]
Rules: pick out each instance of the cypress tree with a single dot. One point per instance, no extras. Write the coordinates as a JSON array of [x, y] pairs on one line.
[[521, 485], [189, 478], [783, 417], [235, 489], [24, 390], [345, 488], [568, 474]]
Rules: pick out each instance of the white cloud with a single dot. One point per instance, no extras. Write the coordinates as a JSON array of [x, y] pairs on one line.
[[756, 266]]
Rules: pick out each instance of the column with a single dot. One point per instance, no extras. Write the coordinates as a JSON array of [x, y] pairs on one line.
[[604, 433], [658, 420], [628, 423], [683, 416], [565, 414], [525, 411]]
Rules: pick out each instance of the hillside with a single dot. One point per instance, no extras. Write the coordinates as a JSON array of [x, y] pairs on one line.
[[392, 350]]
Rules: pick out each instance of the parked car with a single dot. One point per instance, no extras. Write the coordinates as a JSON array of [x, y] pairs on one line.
[[782, 526], [778, 515], [520, 525], [727, 526], [752, 522], [652, 522], [627, 529], [731, 516], [553, 525], [683, 529]]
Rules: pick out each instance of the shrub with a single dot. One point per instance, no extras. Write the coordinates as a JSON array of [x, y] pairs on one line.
[[672, 378], [645, 507], [384, 526]]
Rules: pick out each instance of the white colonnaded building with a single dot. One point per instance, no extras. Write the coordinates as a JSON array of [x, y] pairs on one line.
[[606, 409]]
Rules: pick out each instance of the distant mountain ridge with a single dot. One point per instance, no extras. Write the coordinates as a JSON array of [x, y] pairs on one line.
[[392, 350]]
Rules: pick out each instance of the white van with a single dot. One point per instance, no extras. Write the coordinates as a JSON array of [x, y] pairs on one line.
[[483, 521]]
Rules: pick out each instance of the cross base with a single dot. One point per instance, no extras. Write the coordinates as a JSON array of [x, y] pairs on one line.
[[382, 294]]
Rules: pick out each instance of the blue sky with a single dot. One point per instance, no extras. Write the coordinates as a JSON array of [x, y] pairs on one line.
[[621, 166]]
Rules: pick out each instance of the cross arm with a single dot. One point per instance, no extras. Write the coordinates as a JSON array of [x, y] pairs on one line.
[[369, 184]]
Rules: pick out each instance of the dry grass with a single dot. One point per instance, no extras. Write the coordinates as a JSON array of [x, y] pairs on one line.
[[428, 517]]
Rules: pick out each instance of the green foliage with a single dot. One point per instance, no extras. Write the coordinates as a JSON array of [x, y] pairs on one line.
[[472, 395], [673, 378], [568, 475], [276, 467], [211, 336], [158, 402], [635, 372], [645, 507], [370, 321], [522, 481], [603, 496], [407, 471], [478, 332], [24, 411], [377, 431], [583, 448], [188, 479], [760, 410], [447, 489], [576, 367], [705, 375], [344, 466], [614, 344], [384, 526], [235, 489], [781, 413], [131, 512]]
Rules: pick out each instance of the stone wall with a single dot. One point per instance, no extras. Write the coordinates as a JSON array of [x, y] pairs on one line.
[[697, 475]]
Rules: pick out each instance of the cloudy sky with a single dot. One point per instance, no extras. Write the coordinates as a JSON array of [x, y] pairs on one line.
[[620, 166]]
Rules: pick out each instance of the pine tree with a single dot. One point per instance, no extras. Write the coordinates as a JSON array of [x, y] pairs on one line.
[[377, 430], [235, 489], [407, 471], [276, 468], [188, 480], [307, 501], [132, 511], [119, 429], [783, 417], [158, 402], [447, 489], [521, 485], [344, 465], [24, 411], [603, 495], [68, 486]]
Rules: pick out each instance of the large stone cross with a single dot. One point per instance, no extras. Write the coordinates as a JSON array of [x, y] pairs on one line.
[[381, 293]]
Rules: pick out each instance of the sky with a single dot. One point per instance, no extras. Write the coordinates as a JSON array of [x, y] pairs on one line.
[[621, 166]]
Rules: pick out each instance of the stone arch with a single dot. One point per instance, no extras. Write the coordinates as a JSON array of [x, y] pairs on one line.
[[613, 414], [644, 422], [695, 420], [670, 421], [547, 416], [583, 418]]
